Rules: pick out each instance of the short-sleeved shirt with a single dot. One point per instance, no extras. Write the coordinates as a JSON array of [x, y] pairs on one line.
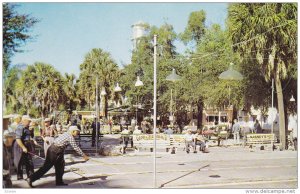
[[236, 128], [67, 139], [188, 137], [23, 133]]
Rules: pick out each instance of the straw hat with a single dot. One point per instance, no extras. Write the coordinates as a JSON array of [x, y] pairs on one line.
[[73, 128]]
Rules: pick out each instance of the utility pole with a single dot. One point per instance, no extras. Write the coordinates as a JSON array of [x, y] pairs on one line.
[[97, 115], [154, 115]]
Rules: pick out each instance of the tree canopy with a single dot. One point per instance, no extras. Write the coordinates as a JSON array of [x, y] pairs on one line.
[[16, 31]]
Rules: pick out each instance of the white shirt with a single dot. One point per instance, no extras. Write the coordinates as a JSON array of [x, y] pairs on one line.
[[188, 137]]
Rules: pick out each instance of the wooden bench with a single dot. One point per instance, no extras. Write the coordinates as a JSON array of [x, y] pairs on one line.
[[177, 141], [147, 141], [260, 140]]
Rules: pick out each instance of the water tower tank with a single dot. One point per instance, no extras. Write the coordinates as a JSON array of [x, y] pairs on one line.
[[138, 31]]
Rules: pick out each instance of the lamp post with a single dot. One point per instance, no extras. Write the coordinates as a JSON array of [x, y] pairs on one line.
[[118, 89], [173, 77], [231, 75], [102, 93], [97, 116], [137, 84], [154, 112]]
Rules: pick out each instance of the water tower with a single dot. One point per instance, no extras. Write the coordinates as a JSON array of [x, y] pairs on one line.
[[138, 31]]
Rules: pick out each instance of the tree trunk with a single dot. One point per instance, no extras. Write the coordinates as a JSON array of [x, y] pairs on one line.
[[282, 132], [200, 114], [105, 106]]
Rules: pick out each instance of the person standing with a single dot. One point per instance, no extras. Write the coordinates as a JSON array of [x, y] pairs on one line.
[[257, 127], [295, 138], [236, 132], [48, 134], [14, 125], [95, 128], [8, 139], [55, 156], [21, 148], [126, 138]]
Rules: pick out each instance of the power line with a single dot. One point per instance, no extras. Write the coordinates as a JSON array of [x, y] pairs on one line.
[[242, 42]]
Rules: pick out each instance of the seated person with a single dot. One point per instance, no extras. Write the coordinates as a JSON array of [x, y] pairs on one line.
[[137, 131], [189, 141], [200, 140], [169, 131]]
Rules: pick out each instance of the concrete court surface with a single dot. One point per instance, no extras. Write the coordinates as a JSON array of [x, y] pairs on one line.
[[231, 167]]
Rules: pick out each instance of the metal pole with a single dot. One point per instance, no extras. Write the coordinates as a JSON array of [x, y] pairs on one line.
[[97, 115], [171, 114], [136, 109], [155, 117], [272, 127]]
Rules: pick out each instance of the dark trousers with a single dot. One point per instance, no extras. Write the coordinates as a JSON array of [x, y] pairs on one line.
[[126, 141], [55, 157], [26, 160], [201, 144], [295, 141], [188, 144], [94, 136]]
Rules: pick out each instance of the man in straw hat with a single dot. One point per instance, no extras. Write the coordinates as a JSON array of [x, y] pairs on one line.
[[21, 148], [48, 134], [55, 156]]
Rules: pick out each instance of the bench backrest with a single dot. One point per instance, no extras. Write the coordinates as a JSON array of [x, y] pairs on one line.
[[263, 138], [150, 137]]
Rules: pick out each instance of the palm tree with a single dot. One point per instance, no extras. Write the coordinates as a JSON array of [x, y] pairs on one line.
[[70, 91], [40, 84], [9, 83], [97, 63], [267, 32]]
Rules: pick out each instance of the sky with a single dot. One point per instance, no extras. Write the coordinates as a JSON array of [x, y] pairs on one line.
[[68, 31]]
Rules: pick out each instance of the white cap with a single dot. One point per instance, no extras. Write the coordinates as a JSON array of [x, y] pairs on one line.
[[26, 117], [47, 120], [73, 128]]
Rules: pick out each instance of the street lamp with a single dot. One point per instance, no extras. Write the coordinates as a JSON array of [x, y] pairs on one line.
[[103, 92], [138, 82], [118, 88], [173, 77], [232, 75], [292, 99]]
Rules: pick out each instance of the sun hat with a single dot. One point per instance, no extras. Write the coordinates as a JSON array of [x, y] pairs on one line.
[[73, 128], [47, 120], [26, 117]]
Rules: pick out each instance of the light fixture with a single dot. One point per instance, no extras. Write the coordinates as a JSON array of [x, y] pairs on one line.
[[138, 82], [231, 74], [292, 99], [173, 76], [103, 92], [118, 88]]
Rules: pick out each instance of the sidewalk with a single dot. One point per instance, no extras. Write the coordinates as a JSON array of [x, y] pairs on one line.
[[231, 167]]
